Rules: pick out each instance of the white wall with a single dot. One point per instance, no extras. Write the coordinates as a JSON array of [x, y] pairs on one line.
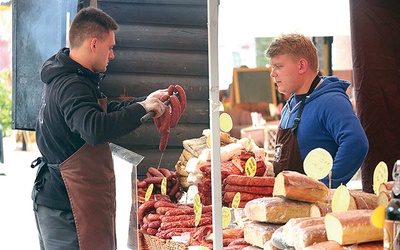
[[241, 21]]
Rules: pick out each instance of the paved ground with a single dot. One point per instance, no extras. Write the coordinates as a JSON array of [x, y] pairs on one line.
[[17, 223]]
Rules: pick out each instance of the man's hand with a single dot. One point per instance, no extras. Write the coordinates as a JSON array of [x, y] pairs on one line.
[[161, 92], [155, 105]]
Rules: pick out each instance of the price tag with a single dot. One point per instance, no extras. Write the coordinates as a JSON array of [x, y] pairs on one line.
[[251, 166], [225, 122], [378, 216], [236, 200], [226, 217], [380, 176], [149, 191], [164, 186], [209, 140], [197, 209], [318, 163], [341, 199], [248, 142]]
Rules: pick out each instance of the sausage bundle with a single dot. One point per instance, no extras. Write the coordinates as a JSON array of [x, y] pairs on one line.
[[170, 118], [249, 187], [166, 219], [155, 176]]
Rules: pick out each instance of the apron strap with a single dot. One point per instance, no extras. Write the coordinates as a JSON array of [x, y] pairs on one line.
[[303, 103]]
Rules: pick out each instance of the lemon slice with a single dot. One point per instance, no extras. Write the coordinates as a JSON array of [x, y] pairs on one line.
[[378, 216]]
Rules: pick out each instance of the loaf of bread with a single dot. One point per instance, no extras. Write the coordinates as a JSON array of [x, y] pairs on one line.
[[310, 235], [331, 245], [384, 197], [296, 186], [375, 245], [278, 239], [320, 209], [386, 186], [364, 200], [276, 209], [353, 226], [257, 233], [269, 246], [292, 227]]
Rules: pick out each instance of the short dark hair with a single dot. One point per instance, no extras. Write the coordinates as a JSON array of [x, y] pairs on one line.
[[90, 22]]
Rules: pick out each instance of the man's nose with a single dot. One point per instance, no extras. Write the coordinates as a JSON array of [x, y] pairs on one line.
[[111, 56]]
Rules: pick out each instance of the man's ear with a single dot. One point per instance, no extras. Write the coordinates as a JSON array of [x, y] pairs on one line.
[[303, 65], [93, 43]]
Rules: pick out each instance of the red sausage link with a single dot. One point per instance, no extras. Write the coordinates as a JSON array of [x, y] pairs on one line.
[[175, 110], [182, 97], [163, 141], [155, 172], [165, 172], [171, 89]]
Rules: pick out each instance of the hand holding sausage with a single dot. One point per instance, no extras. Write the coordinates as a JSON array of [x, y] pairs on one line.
[[155, 105], [176, 98], [161, 92]]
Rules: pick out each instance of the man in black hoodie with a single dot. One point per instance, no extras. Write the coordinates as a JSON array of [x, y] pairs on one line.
[[74, 191]]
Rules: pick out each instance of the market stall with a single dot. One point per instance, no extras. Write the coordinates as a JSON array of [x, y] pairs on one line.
[[260, 210]]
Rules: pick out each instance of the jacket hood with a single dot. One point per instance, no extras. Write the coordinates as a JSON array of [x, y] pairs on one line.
[[329, 84], [61, 63]]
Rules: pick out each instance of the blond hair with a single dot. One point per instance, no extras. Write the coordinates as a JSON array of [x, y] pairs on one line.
[[295, 45]]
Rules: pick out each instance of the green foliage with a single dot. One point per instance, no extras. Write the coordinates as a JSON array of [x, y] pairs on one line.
[[5, 102], [262, 44]]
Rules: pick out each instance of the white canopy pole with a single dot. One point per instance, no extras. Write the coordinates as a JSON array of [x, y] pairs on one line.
[[212, 10]]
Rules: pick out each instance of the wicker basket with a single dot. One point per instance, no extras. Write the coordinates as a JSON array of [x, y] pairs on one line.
[[171, 245], [155, 243], [142, 242]]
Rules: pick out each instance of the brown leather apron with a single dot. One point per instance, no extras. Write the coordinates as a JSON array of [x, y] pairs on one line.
[[287, 153], [90, 182]]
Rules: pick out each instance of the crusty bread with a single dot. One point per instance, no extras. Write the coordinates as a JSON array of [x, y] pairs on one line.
[[310, 235], [292, 227], [278, 239], [295, 186], [386, 186], [384, 197], [276, 209], [257, 233], [375, 245], [331, 245], [364, 200], [353, 226], [320, 209]]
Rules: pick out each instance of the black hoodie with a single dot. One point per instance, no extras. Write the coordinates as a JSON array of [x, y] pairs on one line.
[[70, 116]]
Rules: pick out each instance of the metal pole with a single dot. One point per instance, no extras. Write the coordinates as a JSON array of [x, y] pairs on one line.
[[212, 10]]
